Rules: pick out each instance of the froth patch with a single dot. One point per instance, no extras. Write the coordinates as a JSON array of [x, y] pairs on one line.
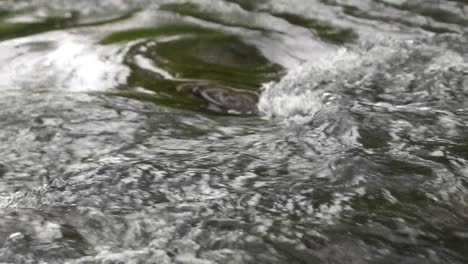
[[80, 67], [305, 90], [73, 63]]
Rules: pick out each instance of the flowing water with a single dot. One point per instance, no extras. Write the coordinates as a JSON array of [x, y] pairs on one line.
[[234, 131]]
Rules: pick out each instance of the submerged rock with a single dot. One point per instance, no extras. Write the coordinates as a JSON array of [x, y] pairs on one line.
[[223, 99]]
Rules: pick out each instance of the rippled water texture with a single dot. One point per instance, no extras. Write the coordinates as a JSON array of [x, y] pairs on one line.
[[235, 131]]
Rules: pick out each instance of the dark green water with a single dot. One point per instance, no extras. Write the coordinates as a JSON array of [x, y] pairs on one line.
[[233, 131]]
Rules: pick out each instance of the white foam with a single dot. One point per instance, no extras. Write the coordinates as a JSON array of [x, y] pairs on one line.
[[299, 95], [81, 67], [70, 62]]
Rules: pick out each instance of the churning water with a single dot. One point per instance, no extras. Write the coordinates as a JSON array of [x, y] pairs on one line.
[[235, 131]]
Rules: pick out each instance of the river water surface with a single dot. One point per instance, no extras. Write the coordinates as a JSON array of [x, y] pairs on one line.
[[233, 131]]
